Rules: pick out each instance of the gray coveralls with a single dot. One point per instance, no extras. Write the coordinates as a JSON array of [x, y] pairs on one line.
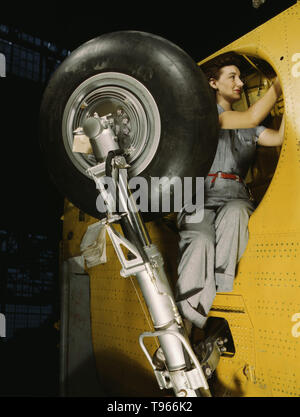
[[211, 249]]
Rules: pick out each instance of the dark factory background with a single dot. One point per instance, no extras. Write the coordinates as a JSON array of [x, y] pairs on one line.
[[31, 207]]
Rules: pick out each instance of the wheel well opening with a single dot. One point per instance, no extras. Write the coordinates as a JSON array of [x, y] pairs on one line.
[[257, 76]]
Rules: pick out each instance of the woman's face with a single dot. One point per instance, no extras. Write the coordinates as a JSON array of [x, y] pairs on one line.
[[229, 85]]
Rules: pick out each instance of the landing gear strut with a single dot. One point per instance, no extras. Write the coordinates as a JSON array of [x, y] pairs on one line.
[[183, 372]]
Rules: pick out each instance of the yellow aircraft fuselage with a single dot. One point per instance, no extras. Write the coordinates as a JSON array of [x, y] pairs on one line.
[[263, 310]]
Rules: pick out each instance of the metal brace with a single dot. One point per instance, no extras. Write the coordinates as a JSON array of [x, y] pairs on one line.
[[132, 266], [195, 377]]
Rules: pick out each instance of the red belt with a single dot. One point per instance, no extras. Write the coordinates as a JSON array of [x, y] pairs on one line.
[[224, 175]]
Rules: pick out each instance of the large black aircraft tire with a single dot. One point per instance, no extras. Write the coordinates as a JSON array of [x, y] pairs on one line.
[[173, 122]]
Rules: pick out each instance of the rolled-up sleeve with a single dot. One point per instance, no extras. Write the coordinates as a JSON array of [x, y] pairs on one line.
[[258, 131]]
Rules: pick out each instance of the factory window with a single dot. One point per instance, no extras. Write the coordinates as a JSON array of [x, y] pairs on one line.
[[36, 63], [28, 288], [25, 63], [22, 316]]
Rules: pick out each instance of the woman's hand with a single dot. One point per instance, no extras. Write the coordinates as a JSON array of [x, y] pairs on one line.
[[277, 87]]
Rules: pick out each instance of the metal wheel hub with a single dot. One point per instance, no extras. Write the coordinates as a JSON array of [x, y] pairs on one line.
[[133, 109]]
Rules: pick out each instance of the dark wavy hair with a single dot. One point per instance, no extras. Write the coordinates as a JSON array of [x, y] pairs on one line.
[[212, 68]]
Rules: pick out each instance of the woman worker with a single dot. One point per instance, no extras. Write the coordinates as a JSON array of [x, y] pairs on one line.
[[211, 249]]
